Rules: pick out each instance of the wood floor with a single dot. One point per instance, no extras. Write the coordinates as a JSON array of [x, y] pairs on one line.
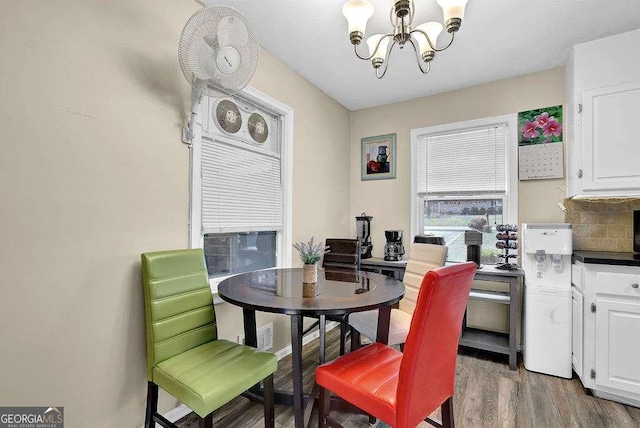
[[488, 394]]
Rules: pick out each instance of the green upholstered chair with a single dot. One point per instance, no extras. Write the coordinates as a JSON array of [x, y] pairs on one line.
[[184, 355]]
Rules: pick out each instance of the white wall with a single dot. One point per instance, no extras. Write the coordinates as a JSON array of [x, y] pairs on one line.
[[93, 173]]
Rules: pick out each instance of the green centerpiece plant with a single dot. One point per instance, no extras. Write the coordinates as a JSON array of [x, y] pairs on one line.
[[310, 254]]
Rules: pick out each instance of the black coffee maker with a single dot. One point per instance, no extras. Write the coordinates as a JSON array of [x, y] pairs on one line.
[[393, 249], [473, 241], [363, 232]]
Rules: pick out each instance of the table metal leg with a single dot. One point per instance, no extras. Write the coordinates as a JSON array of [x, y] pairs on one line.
[[250, 335], [323, 342], [296, 362], [513, 355], [251, 339], [384, 317]]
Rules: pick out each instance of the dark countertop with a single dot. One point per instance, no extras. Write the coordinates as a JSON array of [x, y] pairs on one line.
[[605, 258]]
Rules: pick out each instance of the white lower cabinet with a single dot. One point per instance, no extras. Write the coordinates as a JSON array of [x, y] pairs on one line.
[[618, 344], [606, 331]]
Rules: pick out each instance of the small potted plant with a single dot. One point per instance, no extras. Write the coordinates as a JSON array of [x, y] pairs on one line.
[[310, 254]]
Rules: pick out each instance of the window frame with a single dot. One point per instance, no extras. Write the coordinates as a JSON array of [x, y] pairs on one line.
[[510, 204], [286, 120]]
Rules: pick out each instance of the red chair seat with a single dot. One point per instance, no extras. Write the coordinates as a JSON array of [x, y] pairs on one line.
[[367, 378]]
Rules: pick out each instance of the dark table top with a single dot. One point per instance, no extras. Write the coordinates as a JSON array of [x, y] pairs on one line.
[[335, 293]]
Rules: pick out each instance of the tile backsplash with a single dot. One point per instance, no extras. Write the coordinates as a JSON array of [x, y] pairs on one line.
[[602, 224]]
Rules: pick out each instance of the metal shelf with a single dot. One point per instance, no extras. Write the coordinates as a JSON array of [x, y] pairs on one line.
[[490, 296], [472, 337], [485, 340]]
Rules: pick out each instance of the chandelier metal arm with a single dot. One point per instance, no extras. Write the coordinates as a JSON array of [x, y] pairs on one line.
[[386, 63], [415, 48], [435, 49], [366, 58]]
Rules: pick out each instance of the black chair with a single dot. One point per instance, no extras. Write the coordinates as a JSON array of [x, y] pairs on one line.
[[343, 257]]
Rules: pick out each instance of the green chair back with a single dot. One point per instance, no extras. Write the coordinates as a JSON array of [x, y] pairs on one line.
[[178, 302]]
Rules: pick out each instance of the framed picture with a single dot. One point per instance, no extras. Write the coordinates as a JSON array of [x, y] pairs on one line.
[[378, 159]]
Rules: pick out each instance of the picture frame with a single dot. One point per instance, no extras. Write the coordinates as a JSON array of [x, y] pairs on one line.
[[378, 157], [540, 146]]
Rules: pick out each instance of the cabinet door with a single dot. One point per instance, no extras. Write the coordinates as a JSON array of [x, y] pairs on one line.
[[576, 327], [611, 138], [618, 344]]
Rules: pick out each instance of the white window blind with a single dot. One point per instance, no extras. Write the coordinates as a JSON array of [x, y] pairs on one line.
[[472, 161], [241, 188]]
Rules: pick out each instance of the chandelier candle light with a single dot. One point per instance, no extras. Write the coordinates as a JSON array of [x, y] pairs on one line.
[[425, 35]]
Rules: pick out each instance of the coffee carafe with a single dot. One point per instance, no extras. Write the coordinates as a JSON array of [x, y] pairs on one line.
[[393, 249], [363, 232]]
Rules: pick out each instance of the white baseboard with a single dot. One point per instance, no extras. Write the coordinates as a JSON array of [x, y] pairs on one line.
[[175, 414], [183, 410]]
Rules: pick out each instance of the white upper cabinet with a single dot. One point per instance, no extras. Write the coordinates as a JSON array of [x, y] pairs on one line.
[[603, 117]]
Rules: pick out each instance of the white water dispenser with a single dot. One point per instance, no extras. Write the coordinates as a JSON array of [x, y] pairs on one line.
[[546, 261]]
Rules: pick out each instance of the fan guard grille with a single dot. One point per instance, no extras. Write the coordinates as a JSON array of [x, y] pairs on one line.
[[206, 32]]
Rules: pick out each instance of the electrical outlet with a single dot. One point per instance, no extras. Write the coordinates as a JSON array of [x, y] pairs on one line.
[[240, 339]]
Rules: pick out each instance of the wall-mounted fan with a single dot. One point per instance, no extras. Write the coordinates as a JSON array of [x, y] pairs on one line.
[[228, 116], [258, 128], [239, 120], [218, 53]]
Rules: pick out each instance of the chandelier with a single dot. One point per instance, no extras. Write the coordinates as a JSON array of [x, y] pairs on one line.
[[401, 15]]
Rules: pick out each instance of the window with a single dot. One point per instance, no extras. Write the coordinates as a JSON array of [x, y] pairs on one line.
[[231, 253], [240, 202], [464, 177]]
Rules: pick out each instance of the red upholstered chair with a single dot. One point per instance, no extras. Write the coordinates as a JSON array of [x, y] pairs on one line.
[[402, 389]]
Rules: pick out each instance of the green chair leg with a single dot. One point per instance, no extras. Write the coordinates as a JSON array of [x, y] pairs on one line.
[[207, 421], [152, 405]]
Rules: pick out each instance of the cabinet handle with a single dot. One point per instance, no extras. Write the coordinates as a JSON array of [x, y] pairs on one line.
[[634, 286], [579, 173]]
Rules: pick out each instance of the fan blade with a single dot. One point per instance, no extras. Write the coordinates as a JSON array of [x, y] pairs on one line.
[[206, 63], [232, 32], [212, 41]]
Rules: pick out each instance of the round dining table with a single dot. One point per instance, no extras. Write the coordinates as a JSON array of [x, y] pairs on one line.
[[334, 293]]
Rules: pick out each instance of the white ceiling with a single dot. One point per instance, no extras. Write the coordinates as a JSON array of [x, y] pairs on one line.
[[498, 39]]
